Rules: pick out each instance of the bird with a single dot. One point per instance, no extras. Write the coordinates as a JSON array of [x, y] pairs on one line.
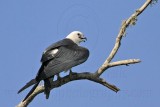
[[58, 57]]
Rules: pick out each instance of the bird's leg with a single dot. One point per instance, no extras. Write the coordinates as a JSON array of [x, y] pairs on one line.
[[71, 73], [51, 80], [58, 77]]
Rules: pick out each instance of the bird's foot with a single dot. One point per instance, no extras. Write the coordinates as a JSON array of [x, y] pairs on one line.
[[71, 73]]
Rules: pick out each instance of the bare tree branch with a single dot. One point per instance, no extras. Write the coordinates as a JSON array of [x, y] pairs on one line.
[[67, 79], [95, 77], [123, 62], [130, 21]]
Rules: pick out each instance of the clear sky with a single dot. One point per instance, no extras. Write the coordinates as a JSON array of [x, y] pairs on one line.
[[27, 27]]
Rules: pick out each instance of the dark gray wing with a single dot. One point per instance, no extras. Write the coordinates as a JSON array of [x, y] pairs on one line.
[[66, 58], [47, 54]]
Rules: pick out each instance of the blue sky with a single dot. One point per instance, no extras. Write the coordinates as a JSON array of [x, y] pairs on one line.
[[27, 27]]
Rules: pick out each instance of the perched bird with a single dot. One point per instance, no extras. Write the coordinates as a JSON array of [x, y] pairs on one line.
[[58, 57]]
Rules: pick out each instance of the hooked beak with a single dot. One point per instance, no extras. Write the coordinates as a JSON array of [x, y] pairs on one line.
[[84, 39]]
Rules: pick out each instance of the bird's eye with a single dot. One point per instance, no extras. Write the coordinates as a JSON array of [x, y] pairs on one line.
[[78, 34]]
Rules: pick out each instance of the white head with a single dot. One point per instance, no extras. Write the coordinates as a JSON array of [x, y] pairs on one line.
[[77, 37]]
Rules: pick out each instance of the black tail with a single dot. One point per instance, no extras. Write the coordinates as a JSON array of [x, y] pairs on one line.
[[33, 81], [31, 91]]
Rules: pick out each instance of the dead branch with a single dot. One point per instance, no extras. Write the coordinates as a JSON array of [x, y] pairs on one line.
[[95, 77], [123, 62]]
